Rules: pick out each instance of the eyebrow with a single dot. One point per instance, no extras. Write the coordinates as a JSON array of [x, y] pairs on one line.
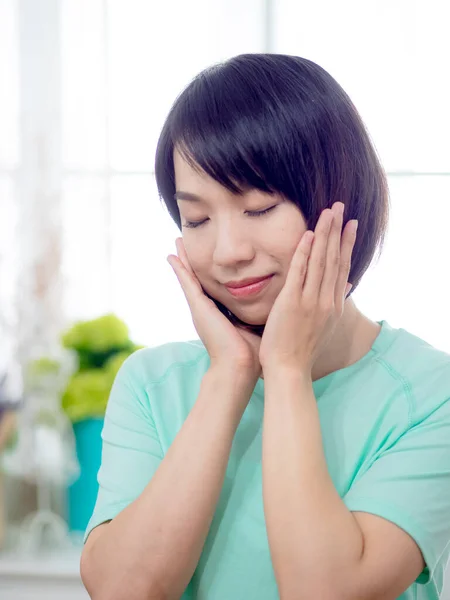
[[187, 196]]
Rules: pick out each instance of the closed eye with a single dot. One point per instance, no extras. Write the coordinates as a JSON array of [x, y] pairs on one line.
[[250, 213], [259, 213], [194, 224]]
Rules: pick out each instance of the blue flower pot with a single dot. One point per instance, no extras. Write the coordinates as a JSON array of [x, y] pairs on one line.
[[82, 494]]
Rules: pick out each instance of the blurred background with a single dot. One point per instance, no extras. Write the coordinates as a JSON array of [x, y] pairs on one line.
[[85, 86]]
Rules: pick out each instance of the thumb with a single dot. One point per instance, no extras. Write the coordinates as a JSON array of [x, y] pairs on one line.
[[189, 283]]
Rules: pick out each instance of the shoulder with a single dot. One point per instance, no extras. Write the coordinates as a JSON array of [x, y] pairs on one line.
[[150, 366], [419, 371]]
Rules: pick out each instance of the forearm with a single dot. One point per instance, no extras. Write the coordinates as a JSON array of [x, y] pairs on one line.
[[151, 549], [315, 541]]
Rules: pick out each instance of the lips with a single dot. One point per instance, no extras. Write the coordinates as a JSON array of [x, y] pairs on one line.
[[245, 282], [248, 288]]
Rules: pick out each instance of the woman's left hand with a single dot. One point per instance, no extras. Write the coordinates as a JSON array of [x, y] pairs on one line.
[[311, 302]]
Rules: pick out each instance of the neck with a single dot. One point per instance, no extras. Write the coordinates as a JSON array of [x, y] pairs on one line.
[[351, 340]]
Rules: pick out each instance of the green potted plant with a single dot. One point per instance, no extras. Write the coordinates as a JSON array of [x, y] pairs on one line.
[[101, 346]]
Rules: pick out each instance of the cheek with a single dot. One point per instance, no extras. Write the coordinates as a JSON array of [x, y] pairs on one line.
[[290, 249], [286, 242]]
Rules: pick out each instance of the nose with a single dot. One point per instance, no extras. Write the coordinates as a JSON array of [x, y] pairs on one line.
[[233, 245]]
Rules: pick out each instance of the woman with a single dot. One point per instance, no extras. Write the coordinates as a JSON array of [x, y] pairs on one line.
[[298, 449]]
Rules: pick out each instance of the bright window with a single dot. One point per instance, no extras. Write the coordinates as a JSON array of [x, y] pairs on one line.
[[79, 137]]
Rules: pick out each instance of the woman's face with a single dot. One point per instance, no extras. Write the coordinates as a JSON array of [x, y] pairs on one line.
[[232, 243]]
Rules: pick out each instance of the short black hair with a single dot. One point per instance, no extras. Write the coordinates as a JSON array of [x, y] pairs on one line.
[[280, 124]]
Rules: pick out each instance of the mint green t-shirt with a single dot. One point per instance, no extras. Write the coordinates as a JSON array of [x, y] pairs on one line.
[[386, 432]]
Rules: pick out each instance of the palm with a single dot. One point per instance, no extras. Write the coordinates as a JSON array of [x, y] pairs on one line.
[[225, 341], [242, 344], [253, 342]]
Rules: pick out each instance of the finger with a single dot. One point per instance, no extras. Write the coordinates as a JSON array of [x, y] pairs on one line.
[[318, 258], [299, 263], [182, 255], [190, 286], [347, 245], [327, 289]]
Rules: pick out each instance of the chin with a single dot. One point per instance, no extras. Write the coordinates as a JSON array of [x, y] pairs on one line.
[[251, 317]]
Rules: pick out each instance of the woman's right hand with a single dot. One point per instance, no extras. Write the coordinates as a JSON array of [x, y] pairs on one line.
[[229, 347]]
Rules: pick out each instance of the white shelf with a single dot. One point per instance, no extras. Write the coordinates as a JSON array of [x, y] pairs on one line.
[[64, 564], [46, 577]]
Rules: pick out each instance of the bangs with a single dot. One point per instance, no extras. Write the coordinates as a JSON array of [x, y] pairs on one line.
[[219, 131], [242, 130]]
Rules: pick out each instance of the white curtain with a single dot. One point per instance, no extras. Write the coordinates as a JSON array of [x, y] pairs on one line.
[[85, 86]]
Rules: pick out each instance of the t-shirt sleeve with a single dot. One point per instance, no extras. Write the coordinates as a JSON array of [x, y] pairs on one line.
[[409, 485], [131, 450]]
